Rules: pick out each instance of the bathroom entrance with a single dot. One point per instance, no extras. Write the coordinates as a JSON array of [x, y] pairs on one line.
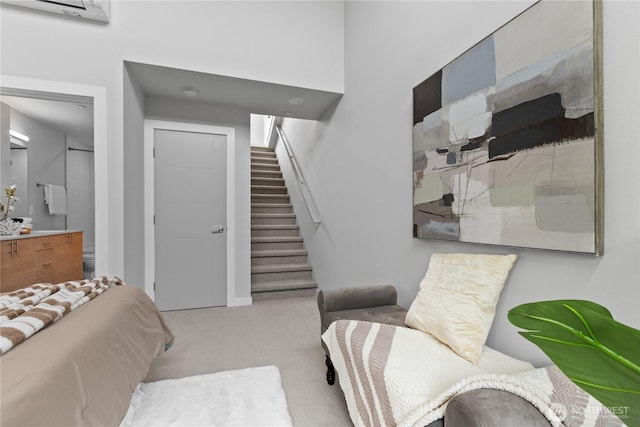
[[190, 186]]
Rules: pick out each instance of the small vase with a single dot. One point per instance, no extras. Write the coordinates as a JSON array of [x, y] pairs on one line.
[[10, 228]]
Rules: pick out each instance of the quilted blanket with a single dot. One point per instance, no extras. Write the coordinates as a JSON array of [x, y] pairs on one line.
[[26, 311], [394, 376]]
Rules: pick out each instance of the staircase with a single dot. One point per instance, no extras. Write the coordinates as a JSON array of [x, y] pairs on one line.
[[279, 262]]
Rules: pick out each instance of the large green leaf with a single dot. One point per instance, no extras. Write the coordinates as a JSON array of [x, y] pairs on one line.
[[599, 354]]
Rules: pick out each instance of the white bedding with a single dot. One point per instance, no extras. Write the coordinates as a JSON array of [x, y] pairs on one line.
[[392, 375]]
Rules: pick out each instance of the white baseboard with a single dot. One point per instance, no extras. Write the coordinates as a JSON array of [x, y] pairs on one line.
[[236, 302]]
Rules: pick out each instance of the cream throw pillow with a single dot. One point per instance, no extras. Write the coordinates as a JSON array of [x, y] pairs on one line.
[[457, 300]]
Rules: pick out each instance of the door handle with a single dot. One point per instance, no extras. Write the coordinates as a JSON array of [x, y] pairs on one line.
[[217, 229]]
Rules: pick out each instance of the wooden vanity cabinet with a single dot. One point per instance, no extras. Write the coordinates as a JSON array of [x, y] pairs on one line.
[[16, 264], [43, 259], [68, 257]]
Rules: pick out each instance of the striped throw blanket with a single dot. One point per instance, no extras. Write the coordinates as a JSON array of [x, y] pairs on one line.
[[394, 376], [26, 311], [391, 374]]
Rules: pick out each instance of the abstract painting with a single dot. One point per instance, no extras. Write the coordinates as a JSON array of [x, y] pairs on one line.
[[507, 138]]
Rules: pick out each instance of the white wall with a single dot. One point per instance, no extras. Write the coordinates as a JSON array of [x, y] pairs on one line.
[[218, 37], [257, 124], [357, 163]]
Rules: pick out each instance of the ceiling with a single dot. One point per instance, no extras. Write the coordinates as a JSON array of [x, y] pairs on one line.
[[254, 96], [74, 117]]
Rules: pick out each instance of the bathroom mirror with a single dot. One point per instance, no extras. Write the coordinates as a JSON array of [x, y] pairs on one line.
[[52, 143]]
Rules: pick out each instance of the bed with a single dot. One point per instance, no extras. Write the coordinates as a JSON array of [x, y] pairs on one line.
[[83, 368]]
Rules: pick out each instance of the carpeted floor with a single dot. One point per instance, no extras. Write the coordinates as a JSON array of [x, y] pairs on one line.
[[283, 332]]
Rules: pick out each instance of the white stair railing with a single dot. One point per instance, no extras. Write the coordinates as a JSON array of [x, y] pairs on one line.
[[304, 189]]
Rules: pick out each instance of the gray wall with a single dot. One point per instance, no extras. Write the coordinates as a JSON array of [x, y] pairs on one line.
[[357, 162], [133, 146], [81, 192], [46, 163], [5, 144]]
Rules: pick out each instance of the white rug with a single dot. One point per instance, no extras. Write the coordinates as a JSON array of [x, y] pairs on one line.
[[243, 397]]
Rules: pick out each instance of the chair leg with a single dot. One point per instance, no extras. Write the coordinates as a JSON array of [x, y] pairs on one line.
[[331, 372]]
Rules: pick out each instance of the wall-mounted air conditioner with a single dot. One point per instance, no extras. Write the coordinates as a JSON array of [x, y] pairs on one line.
[[95, 10]]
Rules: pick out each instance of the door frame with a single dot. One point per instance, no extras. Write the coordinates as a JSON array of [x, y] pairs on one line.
[[149, 199], [106, 253]]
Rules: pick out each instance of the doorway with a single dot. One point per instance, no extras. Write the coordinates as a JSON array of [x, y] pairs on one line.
[[58, 91], [189, 256]]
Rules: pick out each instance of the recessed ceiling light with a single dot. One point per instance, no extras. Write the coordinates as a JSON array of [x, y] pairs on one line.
[[295, 101], [190, 91]]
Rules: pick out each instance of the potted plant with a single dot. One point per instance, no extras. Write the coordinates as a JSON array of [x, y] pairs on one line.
[[597, 353], [8, 227]]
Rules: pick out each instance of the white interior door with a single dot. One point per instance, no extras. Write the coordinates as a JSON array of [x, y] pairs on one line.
[[190, 219]]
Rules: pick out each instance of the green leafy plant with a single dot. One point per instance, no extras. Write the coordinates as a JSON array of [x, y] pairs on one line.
[[599, 354]]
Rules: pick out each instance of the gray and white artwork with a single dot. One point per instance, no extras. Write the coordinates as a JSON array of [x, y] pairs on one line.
[[504, 137]]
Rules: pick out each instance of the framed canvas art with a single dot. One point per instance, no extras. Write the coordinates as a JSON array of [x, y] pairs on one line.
[[507, 138]]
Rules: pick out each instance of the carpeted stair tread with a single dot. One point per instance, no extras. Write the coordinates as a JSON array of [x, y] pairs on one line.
[[263, 161], [276, 239], [273, 215], [259, 180], [261, 148], [275, 227], [259, 166], [270, 205], [266, 174], [278, 253], [280, 268], [268, 189], [284, 285], [279, 208], [270, 195]]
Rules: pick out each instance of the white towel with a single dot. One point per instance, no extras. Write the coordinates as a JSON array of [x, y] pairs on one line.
[[56, 197]]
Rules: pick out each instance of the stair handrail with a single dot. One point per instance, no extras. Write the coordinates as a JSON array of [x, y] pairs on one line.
[[304, 189]]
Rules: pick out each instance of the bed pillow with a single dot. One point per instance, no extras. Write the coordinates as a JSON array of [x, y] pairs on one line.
[[457, 300]]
